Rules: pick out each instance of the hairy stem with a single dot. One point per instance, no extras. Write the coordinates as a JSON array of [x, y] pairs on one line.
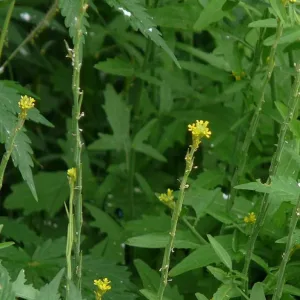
[[41, 25], [286, 255], [292, 105], [5, 26], [189, 158], [77, 143], [9, 148], [255, 119]]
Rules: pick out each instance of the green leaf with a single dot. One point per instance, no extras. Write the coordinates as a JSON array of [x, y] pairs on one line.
[[50, 291], [257, 292], [150, 151], [116, 66], [6, 244], [213, 60], [221, 252], [219, 274], [266, 23], [289, 36], [280, 187], [151, 296], [138, 18], [106, 142], [279, 10], [200, 296], [52, 188], [203, 256], [143, 134], [6, 291], [166, 98], [118, 116], [160, 240], [211, 13], [24, 291], [225, 292]]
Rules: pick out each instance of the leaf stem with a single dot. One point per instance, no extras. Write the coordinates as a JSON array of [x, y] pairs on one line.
[[10, 144], [189, 158], [286, 255], [194, 231], [255, 119], [292, 105], [5, 25]]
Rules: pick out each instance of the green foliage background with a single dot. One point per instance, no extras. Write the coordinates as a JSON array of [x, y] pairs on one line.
[[149, 69]]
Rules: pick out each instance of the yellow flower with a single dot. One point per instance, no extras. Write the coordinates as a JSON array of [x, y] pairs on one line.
[[238, 75], [199, 130], [25, 104], [102, 287], [168, 198], [251, 218], [72, 174]]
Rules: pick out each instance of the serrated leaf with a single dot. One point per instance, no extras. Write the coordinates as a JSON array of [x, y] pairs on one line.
[[22, 290], [52, 188], [140, 20], [72, 11], [257, 292], [50, 291], [6, 290], [221, 252]]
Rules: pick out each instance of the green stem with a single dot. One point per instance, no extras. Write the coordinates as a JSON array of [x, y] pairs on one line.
[[293, 104], [194, 231], [255, 119], [175, 217], [289, 245], [5, 25], [9, 148], [44, 22], [70, 237], [76, 115]]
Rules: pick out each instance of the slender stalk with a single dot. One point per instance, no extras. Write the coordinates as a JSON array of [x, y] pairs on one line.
[[43, 23], [76, 55], [286, 255], [194, 231], [70, 236], [5, 25], [9, 148], [292, 104], [255, 119], [175, 217]]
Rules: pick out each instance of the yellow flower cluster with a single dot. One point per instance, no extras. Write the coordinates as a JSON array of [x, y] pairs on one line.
[[167, 198], [25, 104], [72, 174], [251, 218], [199, 129], [102, 287]]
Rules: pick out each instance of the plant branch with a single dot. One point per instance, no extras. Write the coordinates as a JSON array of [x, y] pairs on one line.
[[255, 119], [293, 104], [5, 26], [43, 23]]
